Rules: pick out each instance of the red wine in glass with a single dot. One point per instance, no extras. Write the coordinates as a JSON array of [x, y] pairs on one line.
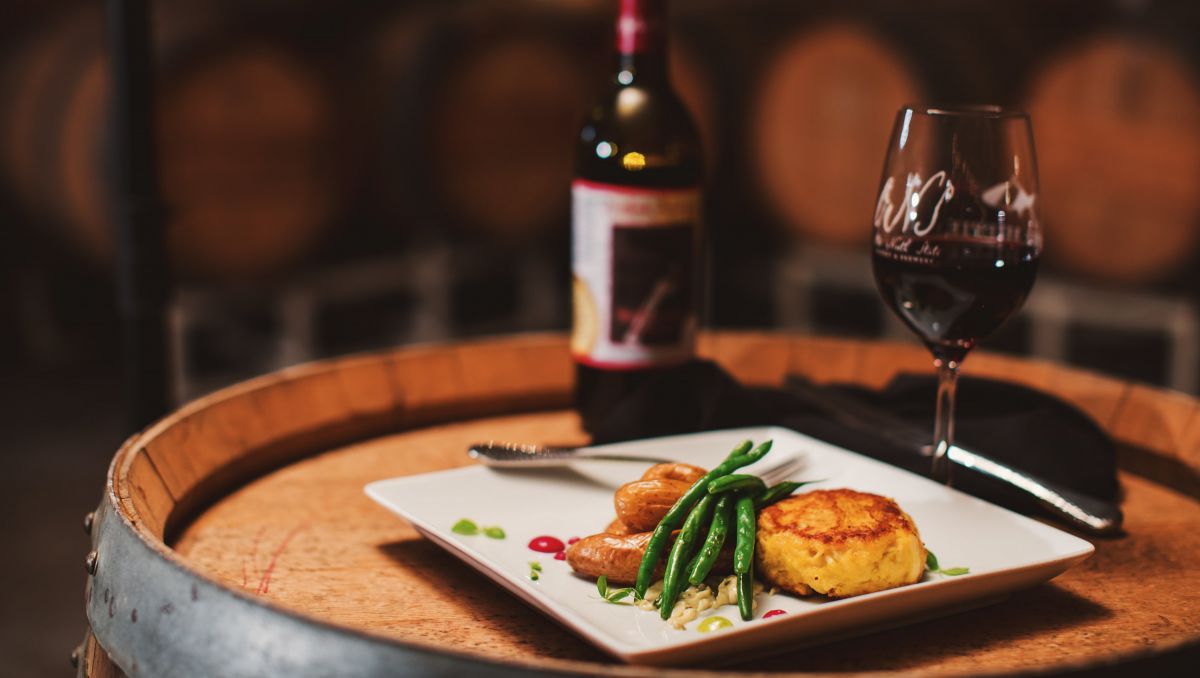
[[956, 237], [959, 296]]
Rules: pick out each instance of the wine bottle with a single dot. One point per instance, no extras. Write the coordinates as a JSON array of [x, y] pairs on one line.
[[636, 235]]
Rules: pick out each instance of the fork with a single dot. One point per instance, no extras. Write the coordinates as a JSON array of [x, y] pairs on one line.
[[782, 471], [523, 455], [519, 455]]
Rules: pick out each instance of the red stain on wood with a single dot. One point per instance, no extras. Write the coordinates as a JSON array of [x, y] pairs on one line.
[[254, 548], [264, 585], [253, 557]]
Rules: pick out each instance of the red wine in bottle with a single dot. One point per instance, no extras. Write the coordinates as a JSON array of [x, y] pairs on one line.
[[636, 234]]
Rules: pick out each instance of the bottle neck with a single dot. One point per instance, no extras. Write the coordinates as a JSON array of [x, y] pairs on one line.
[[641, 41]]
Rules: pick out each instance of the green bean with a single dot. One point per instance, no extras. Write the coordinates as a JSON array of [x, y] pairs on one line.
[[758, 452], [743, 552], [676, 514], [742, 448], [745, 591], [737, 481], [702, 564], [777, 492], [680, 552]]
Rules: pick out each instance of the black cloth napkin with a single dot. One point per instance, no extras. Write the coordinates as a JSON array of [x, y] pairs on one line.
[[1026, 429]]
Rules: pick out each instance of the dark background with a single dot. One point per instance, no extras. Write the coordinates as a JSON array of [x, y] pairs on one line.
[[348, 176]]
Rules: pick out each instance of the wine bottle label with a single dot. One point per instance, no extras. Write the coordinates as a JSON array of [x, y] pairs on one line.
[[633, 257]]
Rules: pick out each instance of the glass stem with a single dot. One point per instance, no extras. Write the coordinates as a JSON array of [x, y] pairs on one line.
[[943, 428]]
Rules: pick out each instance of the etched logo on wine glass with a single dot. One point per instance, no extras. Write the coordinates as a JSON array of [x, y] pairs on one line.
[[1009, 196], [907, 215], [900, 227]]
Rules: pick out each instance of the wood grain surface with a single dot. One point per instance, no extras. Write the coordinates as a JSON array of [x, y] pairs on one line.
[[287, 521]]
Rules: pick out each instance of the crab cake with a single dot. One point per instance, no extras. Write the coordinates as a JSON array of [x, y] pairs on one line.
[[838, 543]]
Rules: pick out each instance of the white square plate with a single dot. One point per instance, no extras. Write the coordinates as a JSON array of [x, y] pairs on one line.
[[1004, 551]]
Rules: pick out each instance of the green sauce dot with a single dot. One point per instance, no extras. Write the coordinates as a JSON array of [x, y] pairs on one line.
[[465, 527]]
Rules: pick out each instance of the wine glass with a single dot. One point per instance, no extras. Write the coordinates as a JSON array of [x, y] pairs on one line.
[[956, 235]]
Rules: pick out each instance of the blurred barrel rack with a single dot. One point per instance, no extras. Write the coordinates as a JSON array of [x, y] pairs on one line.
[[342, 177], [1114, 89]]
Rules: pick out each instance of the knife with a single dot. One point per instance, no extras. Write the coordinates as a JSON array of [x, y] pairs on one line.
[[1088, 514]]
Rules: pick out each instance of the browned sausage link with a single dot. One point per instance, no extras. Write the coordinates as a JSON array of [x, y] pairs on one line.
[[617, 557], [643, 503], [618, 527], [675, 471]]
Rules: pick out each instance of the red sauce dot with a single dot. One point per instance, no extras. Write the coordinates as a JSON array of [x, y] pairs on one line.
[[773, 613], [546, 544], [561, 555], [572, 540]]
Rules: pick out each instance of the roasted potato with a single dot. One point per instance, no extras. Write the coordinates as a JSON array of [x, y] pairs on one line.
[[674, 471], [641, 504], [618, 527]]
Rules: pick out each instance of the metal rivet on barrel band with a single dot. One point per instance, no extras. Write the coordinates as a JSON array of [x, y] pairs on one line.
[[91, 562], [88, 520], [75, 656]]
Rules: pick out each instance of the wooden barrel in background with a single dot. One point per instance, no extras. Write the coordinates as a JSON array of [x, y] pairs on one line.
[[1117, 123], [476, 108], [247, 161], [488, 100], [503, 127], [246, 131], [55, 91], [244, 511], [820, 126]]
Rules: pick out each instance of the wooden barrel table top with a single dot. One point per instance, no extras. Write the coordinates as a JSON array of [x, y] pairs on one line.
[[254, 495]]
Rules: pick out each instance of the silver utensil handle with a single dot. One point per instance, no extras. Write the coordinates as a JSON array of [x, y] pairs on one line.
[[515, 455], [548, 462], [1091, 515], [587, 454]]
